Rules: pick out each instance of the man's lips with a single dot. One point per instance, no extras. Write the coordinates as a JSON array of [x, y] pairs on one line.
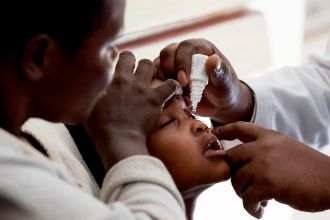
[[213, 147]]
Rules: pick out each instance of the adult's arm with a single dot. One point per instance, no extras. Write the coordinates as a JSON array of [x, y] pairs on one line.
[[138, 187], [296, 101]]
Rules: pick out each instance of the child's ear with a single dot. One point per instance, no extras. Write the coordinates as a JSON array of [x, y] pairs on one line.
[[36, 57]]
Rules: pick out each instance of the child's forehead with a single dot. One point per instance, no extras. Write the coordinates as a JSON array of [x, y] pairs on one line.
[[175, 104], [173, 101]]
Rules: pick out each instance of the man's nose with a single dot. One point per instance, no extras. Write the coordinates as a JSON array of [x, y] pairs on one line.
[[113, 53]]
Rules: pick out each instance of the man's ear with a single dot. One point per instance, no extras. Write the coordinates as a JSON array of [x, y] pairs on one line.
[[36, 57]]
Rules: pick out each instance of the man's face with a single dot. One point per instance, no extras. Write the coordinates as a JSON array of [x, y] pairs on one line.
[[84, 75], [192, 154]]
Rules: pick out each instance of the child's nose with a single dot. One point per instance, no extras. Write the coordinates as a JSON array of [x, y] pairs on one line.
[[198, 127]]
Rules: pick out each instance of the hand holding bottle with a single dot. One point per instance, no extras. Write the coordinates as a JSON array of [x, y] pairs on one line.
[[225, 99]]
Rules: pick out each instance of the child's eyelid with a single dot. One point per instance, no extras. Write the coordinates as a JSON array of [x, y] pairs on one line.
[[167, 122], [164, 120]]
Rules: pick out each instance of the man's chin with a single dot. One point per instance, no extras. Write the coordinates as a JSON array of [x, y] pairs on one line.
[[80, 118]]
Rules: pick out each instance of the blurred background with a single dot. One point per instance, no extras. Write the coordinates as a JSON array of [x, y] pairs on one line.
[[255, 35]]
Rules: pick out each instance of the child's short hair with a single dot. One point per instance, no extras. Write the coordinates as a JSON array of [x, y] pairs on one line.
[[67, 21]]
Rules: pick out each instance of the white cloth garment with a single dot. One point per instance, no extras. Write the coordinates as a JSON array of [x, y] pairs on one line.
[[296, 101], [34, 187]]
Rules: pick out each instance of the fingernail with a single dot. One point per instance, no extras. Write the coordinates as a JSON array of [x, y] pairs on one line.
[[177, 92], [178, 89], [220, 70], [182, 78], [126, 52], [146, 61]]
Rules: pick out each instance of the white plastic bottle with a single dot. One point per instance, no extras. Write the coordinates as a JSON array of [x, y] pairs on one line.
[[198, 79]]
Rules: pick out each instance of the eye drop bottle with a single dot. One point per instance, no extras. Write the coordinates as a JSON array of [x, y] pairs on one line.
[[198, 79]]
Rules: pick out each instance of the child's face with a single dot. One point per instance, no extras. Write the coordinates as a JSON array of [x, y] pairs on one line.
[[189, 150], [83, 76]]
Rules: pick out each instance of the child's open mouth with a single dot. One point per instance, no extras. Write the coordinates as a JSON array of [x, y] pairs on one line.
[[213, 147]]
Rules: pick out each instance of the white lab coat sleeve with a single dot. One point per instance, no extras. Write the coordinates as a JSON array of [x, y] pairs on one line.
[[296, 101]]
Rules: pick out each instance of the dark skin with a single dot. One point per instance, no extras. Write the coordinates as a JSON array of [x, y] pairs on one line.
[[30, 80], [222, 97], [269, 165], [125, 132], [219, 100], [179, 137], [116, 127], [46, 80], [299, 181]]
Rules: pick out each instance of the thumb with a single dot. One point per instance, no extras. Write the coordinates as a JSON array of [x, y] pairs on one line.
[[217, 70], [254, 208], [167, 90]]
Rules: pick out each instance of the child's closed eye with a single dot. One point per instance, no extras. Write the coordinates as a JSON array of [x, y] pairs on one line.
[[166, 123]]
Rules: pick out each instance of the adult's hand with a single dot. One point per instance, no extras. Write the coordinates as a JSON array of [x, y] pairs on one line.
[[269, 165], [129, 109], [225, 98]]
